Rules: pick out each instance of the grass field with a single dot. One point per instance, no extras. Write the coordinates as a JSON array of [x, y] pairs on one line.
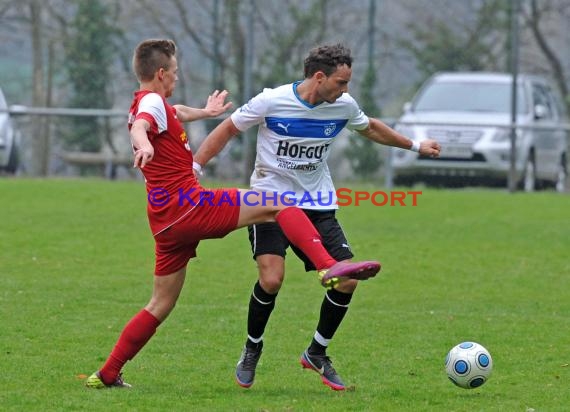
[[76, 261]]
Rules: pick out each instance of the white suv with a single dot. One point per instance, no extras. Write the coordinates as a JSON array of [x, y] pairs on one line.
[[469, 113], [8, 139]]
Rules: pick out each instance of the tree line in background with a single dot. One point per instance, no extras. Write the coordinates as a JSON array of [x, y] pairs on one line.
[[80, 51]]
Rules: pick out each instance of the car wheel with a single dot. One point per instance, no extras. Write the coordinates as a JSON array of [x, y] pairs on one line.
[[561, 175], [404, 181], [529, 176], [12, 165]]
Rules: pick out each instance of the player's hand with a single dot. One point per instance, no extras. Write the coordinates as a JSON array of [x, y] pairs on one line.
[[216, 104], [143, 156], [429, 147]]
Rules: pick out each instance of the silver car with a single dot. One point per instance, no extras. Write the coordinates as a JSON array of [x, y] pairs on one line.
[[8, 140], [469, 113]]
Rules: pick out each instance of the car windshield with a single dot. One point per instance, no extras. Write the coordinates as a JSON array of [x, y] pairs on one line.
[[469, 97]]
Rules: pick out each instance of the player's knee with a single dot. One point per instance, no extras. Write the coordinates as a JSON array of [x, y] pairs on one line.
[[271, 280]]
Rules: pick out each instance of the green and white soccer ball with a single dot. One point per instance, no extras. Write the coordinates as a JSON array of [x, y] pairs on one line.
[[468, 365]]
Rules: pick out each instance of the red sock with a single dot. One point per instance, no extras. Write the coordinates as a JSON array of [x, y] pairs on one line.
[[135, 335], [301, 232]]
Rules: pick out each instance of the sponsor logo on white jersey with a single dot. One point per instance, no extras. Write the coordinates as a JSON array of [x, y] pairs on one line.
[[299, 151]]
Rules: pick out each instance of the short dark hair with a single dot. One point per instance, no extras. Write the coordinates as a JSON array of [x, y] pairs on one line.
[[327, 58], [151, 55]]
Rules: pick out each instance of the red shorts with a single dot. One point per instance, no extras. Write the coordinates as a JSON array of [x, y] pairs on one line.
[[216, 218]]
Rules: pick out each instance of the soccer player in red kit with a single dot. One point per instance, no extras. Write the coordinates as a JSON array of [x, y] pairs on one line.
[[181, 212]]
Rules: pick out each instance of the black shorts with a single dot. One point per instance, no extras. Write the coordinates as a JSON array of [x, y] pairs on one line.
[[268, 238]]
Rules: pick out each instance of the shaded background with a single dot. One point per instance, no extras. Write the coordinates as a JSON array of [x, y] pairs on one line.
[[63, 53]]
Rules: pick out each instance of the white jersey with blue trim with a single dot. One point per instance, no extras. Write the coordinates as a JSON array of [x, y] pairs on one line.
[[294, 141]]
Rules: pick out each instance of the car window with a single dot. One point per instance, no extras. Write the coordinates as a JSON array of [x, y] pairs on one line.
[[541, 97], [558, 106], [469, 97], [552, 102]]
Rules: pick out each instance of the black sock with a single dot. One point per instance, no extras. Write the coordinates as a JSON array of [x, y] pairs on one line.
[[333, 309], [261, 305]]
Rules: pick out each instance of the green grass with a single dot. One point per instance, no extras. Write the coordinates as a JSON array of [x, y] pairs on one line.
[[76, 261]]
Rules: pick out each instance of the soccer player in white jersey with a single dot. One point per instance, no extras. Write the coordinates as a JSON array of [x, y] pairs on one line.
[[297, 123]]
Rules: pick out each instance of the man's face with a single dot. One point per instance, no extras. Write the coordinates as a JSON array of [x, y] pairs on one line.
[[333, 86], [169, 77]]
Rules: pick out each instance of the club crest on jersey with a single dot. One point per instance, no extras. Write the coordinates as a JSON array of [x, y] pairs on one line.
[[184, 139], [329, 129]]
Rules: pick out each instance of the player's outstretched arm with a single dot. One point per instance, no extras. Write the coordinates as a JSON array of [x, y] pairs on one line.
[[380, 132], [215, 141], [215, 106]]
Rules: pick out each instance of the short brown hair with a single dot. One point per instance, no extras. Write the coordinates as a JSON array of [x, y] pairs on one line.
[[327, 58], [151, 55]]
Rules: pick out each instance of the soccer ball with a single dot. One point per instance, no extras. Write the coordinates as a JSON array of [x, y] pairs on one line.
[[468, 365]]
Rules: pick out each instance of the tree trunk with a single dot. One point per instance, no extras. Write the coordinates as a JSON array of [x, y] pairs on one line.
[[553, 59], [39, 144]]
